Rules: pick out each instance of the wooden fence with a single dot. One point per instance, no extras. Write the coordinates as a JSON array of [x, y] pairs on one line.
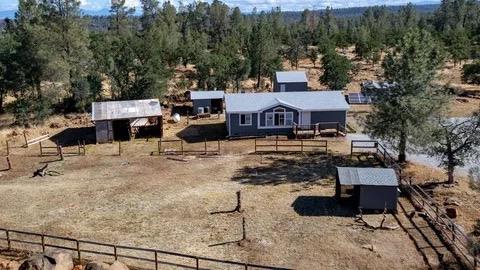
[[140, 257], [58, 150], [288, 146], [451, 233], [178, 148]]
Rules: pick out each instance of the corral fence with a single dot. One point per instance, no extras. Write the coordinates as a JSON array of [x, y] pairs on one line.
[[146, 258], [271, 145], [451, 233], [59, 150], [177, 147]]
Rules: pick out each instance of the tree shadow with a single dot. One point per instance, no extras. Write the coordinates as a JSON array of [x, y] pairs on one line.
[[306, 169], [182, 110], [199, 133], [316, 206], [71, 136]]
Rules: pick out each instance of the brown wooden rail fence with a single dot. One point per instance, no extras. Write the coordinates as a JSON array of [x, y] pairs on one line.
[[83, 248], [451, 233], [180, 149], [288, 146]]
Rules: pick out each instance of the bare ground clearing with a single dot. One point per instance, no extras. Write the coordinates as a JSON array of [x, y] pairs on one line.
[[149, 201]]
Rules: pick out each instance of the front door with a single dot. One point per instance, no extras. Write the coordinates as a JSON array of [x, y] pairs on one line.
[[305, 118]]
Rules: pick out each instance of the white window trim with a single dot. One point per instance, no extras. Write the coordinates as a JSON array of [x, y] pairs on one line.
[[285, 113], [240, 119]]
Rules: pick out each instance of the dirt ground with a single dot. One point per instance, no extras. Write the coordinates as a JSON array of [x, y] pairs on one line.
[[150, 201]]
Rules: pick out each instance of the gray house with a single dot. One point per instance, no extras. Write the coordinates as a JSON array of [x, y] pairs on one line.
[[279, 113], [370, 188], [207, 101], [121, 120], [290, 81]]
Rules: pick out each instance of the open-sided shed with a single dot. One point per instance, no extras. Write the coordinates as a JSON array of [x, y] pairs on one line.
[[370, 188], [120, 120], [207, 101]]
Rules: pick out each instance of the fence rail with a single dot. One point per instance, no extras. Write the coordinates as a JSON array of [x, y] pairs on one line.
[[287, 146], [79, 247], [436, 216], [181, 150]]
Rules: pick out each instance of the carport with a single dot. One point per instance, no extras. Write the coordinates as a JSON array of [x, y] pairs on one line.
[[369, 188]]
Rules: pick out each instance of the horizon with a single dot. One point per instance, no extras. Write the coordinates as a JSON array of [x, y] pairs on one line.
[[91, 7]]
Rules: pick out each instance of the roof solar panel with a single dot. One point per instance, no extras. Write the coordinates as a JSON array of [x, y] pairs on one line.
[[359, 98]]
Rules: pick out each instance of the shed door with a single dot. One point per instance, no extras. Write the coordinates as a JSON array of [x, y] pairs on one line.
[[305, 118], [282, 87]]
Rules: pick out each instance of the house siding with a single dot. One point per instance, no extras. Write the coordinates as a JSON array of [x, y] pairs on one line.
[[329, 116], [378, 197], [291, 86]]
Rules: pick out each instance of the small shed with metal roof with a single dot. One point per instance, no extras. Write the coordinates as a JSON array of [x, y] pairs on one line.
[[122, 120], [207, 101], [370, 188], [290, 81]]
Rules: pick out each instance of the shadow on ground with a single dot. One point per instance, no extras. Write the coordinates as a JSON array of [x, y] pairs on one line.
[[322, 206], [200, 132], [307, 169], [71, 136]]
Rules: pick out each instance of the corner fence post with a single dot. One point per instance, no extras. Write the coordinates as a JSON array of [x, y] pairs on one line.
[[9, 163], [156, 260], [8, 148], [197, 263]]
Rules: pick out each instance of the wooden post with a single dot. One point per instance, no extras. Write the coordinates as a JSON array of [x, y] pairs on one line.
[[218, 114], [338, 128], [115, 252], [181, 146], [9, 244], [61, 152], [41, 149], [188, 119], [301, 143], [156, 260], [119, 148], [78, 250], [160, 147], [197, 263], [218, 146], [453, 232], [244, 233], [246, 266], [276, 143], [255, 145], [351, 148], [25, 137], [9, 163], [239, 202], [205, 146], [43, 243], [8, 148], [78, 147]]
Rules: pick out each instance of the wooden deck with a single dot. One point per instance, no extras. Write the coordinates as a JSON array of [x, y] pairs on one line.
[[326, 129]]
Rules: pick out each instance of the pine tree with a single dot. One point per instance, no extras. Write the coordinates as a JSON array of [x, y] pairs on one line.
[[336, 68]]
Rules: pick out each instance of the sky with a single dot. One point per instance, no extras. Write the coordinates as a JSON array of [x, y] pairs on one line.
[[248, 5]]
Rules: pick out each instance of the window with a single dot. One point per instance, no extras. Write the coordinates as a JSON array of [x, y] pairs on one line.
[[282, 87], [279, 118], [245, 119]]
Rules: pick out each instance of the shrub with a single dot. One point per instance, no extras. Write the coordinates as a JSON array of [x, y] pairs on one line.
[[471, 73], [474, 176]]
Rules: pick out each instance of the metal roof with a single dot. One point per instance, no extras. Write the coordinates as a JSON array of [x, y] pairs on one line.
[[367, 176], [206, 95], [291, 76], [303, 101], [127, 109]]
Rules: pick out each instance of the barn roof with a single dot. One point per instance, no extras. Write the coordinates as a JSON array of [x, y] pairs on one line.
[[304, 101], [194, 95], [367, 176], [291, 76], [127, 109]]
